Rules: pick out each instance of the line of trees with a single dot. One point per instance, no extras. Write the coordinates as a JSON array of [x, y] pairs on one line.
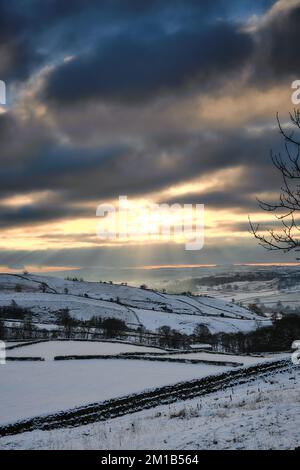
[[110, 327], [172, 339], [14, 312], [277, 337]]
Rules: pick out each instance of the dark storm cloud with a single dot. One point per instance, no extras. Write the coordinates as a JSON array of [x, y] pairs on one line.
[[19, 55], [128, 68], [30, 214], [245, 226], [134, 49], [35, 32], [277, 51], [127, 51], [33, 160], [249, 155], [202, 155], [150, 59], [103, 173], [239, 194], [219, 200]]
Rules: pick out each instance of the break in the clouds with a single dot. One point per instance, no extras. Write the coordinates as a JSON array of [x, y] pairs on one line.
[[169, 100]]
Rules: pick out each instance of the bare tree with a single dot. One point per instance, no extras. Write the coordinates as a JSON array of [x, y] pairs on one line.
[[286, 208]]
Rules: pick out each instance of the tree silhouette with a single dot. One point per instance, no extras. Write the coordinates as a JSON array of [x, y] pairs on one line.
[[113, 327], [286, 208]]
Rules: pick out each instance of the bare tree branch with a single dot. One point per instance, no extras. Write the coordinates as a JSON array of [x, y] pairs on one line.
[[286, 208]]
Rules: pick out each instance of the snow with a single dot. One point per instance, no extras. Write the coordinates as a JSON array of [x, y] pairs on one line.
[[15, 343], [250, 292], [187, 323], [245, 360], [80, 307], [50, 349], [263, 414], [32, 389], [133, 305]]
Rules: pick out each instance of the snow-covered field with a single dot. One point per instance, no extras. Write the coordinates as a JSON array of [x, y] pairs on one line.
[[255, 292], [49, 349], [264, 414], [270, 299], [187, 323], [32, 389], [45, 296], [245, 360]]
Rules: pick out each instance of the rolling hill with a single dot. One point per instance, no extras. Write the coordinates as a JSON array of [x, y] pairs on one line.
[[46, 295]]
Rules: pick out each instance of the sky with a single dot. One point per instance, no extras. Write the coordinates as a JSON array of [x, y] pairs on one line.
[[162, 101]]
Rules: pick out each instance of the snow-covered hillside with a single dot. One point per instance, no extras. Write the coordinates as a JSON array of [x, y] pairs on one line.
[[45, 296], [262, 414]]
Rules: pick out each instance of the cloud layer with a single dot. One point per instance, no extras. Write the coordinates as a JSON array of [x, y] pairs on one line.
[[141, 98]]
